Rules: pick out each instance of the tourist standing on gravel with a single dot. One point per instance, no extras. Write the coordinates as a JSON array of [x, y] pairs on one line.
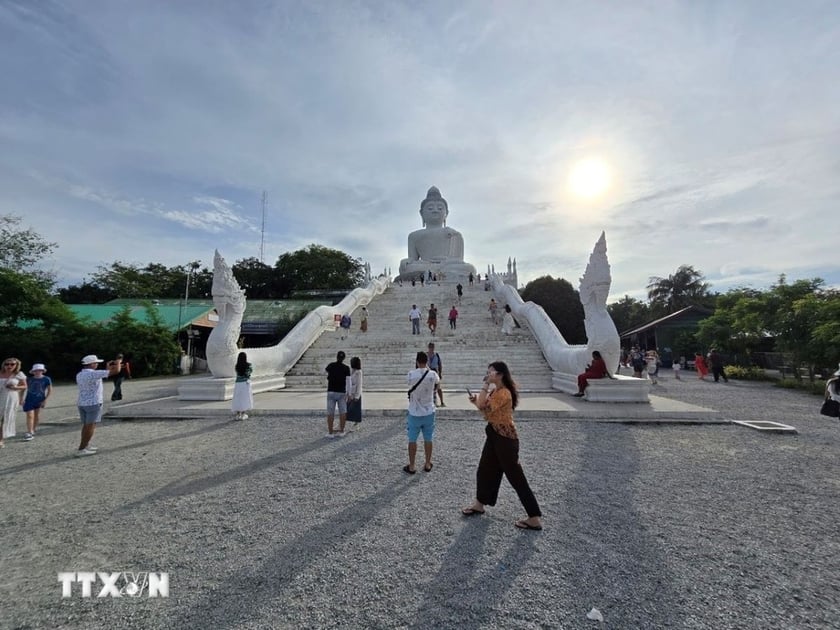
[[421, 411], [38, 389], [125, 373], [243, 396], [414, 317], [500, 455], [700, 366], [13, 383], [89, 381], [354, 392], [716, 363], [832, 387], [337, 376]]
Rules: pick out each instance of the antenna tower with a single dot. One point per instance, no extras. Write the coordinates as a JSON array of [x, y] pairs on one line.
[[262, 230]]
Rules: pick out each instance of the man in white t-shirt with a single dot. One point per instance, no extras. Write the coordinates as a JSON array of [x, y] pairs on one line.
[[89, 381], [421, 411], [414, 317]]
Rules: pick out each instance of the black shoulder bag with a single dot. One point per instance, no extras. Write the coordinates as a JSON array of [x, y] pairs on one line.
[[413, 387]]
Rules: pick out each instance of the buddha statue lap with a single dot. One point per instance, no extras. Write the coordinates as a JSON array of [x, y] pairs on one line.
[[436, 247]]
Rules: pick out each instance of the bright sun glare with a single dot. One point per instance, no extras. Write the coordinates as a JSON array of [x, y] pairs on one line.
[[590, 178]]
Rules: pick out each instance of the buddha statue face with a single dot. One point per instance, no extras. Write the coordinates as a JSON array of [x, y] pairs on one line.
[[434, 209]]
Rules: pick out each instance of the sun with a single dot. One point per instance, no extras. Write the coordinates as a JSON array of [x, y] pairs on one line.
[[590, 178]]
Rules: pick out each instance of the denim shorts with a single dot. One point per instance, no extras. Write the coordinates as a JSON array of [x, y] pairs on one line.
[[91, 414], [416, 424], [336, 398]]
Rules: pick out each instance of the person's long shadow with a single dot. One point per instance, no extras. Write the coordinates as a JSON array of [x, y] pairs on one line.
[[183, 487], [614, 564], [117, 449], [458, 584], [268, 580]]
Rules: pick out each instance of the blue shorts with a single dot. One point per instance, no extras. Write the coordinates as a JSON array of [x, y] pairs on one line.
[[416, 424], [30, 403], [336, 398], [91, 414]]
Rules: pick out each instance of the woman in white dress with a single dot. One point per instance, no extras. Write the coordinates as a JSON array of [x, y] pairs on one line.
[[507, 321], [243, 398], [13, 384]]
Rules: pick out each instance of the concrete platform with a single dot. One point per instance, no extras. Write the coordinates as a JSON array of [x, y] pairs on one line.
[[393, 403]]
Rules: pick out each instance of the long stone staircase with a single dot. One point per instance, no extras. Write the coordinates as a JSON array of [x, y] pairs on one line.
[[387, 350]]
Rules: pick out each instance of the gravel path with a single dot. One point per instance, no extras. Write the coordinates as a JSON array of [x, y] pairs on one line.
[[266, 524]]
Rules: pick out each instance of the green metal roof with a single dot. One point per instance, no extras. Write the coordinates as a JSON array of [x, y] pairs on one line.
[[171, 315]]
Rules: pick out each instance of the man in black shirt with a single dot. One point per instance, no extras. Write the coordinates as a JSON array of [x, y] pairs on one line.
[[337, 375]]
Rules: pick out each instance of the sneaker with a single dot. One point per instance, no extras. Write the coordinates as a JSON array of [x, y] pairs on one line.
[[83, 452], [244, 416], [340, 434], [27, 437], [91, 447], [330, 436]]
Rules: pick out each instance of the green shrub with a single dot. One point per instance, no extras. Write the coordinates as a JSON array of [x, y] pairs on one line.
[[740, 373], [817, 387]]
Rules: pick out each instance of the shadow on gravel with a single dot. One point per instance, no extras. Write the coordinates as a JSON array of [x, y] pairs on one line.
[[456, 593], [266, 581], [614, 565], [180, 487], [65, 458]]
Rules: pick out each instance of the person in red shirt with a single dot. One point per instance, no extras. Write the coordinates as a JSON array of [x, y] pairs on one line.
[[596, 369]]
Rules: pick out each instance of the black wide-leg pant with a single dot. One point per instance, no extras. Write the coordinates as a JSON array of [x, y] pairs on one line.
[[500, 456]]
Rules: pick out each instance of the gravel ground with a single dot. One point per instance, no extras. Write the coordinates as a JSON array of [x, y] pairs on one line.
[[266, 524]]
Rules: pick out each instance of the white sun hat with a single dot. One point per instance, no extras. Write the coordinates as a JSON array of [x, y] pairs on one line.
[[91, 358]]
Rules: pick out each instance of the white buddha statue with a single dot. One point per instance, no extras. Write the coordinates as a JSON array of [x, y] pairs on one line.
[[435, 248]]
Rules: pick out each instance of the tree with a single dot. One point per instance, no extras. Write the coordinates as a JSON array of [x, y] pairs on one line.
[[23, 297], [683, 288], [21, 250], [561, 303], [628, 313], [85, 293], [255, 277], [152, 281], [316, 267]]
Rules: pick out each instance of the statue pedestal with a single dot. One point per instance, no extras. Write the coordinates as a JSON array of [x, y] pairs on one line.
[[222, 388], [618, 389]]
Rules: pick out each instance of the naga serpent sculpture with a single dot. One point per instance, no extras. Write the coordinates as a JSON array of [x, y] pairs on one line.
[[601, 333], [229, 300]]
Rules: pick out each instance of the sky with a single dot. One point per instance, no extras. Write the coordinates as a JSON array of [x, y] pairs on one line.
[[699, 133]]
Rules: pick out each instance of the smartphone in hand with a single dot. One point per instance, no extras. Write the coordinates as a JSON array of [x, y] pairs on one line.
[[469, 392]]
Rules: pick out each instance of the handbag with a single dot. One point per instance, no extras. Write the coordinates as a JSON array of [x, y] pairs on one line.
[[830, 408], [354, 410]]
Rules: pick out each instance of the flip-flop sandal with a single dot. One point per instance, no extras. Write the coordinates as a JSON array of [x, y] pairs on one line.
[[468, 511], [408, 470], [524, 525], [428, 468]]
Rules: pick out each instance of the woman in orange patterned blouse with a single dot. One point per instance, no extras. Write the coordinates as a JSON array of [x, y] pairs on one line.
[[500, 456]]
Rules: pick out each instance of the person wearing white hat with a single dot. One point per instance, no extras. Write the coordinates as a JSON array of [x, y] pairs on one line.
[[90, 397], [38, 389]]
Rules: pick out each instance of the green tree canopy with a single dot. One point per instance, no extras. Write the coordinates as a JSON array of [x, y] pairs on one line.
[[256, 278], [22, 249], [561, 302], [628, 313], [316, 267], [683, 288]]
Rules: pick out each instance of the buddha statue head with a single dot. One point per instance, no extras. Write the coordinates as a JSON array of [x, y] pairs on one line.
[[434, 209]]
